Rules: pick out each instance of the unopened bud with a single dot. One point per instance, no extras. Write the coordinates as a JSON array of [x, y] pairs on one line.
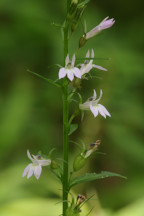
[[77, 83], [79, 162], [77, 17], [72, 9], [82, 41], [54, 164], [72, 212]]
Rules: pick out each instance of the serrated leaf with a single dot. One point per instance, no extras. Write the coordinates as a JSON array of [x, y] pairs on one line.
[[42, 77], [73, 128], [93, 176]]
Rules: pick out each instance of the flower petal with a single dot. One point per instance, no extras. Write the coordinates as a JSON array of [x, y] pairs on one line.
[[99, 96], [70, 74], [31, 171], [99, 67], [26, 170], [85, 106], [92, 53], [77, 72], [67, 60], [62, 73], [94, 110], [86, 68], [73, 61], [88, 153], [37, 171], [94, 95], [100, 110], [104, 110], [88, 54], [44, 162], [29, 156]]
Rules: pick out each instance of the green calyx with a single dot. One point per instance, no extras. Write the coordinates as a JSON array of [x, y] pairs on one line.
[[79, 162], [82, 41], [72, 212]]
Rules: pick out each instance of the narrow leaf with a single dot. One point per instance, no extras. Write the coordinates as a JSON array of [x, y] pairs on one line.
[[93, 176], [42, 77], [73, 128]]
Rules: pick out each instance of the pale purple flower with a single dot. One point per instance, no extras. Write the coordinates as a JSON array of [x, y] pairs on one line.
[[92, 104], [69, 69], [106, 23], [36, 166], [88, 64]]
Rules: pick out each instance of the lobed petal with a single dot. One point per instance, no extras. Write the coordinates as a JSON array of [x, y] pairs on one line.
[[67, 60], [99, 67], [92, 53], [73, 61], [88, 54], [31, 171], [70, 74], [99, 96], [29, 156], [104, 110], [26, 170], [77, 72], [94, 95], [62, 73], [100, 110], [37, 171], [94, 110]]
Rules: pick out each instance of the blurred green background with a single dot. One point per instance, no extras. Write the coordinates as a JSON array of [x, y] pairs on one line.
[[31, 109]]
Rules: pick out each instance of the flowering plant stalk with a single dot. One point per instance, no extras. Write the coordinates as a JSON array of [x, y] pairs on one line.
[[70, 76]]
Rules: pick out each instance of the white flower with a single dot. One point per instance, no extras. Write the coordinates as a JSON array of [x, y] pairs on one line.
[[36, 166], [88, 65], [92, 104], [69, 69], [106, 23]]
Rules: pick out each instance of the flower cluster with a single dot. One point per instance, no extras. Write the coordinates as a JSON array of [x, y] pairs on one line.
[[71, 71]]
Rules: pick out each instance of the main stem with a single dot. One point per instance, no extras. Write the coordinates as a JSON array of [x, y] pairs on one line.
[[65, 125]]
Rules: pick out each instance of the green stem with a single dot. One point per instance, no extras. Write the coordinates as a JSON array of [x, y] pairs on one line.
[[65, 124], [65, 147]]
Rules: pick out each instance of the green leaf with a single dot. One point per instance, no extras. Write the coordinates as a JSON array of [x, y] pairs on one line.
[[93, 176], [73, 128], [42, 77]]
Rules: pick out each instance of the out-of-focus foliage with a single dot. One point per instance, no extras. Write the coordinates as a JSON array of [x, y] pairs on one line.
[[30, 108]]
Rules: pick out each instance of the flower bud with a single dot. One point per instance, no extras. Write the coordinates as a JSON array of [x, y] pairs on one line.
[[76, 83], [54, 164], [82, 41], [79, 162], [71, 212], [76, 18], [72, 9]]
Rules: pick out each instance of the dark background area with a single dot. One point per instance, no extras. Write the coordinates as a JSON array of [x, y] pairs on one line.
[[31, 109]]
